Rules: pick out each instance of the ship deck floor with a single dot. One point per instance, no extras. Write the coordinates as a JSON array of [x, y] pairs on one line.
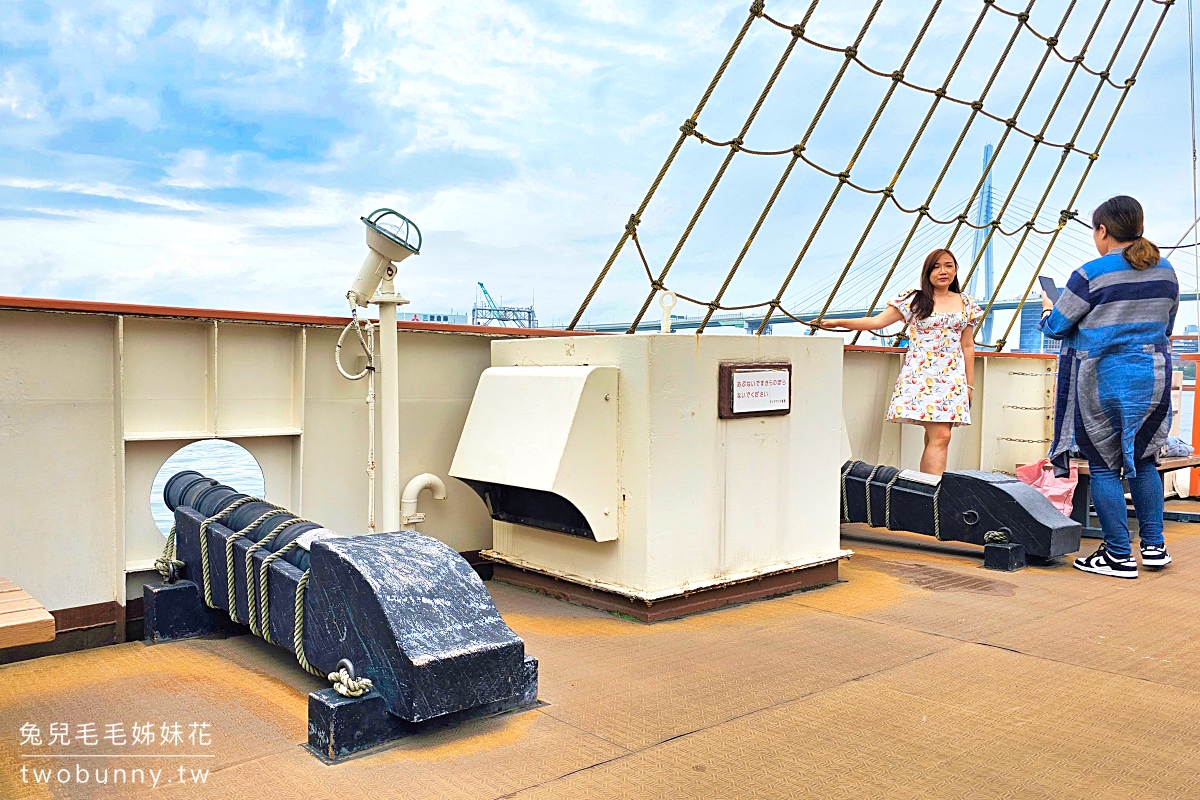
[[920, 676]]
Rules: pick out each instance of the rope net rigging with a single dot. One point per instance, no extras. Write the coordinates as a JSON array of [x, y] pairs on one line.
[[1031, 226]]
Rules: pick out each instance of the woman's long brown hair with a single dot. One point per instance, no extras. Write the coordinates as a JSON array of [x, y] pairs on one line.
[[1122, 217], [922, 299]]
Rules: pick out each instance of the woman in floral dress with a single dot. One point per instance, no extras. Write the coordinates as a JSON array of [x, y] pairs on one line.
[[936, 383]]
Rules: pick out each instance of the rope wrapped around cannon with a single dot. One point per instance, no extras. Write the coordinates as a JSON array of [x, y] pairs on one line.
[[984, 508], [405, 612]]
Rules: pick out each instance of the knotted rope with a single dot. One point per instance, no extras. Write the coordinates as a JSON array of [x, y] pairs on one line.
[[229, 570], [346, 684], [220, 516], [167, 564], [251, 606], [264, 599]]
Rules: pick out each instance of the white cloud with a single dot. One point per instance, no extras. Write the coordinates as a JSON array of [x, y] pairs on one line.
[[643, 126], [19, 96], [200, 169], [460, 69], [608, 11], [109, 190], [245, 34], [138, 111], [570, 114]]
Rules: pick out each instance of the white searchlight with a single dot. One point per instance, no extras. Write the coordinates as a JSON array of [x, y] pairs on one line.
[[392, 238]]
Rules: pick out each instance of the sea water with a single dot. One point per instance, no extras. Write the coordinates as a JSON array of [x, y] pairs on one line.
[[225, 461]]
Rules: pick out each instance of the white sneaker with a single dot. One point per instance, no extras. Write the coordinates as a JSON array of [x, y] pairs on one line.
[[1102, 562], [1155, 556]]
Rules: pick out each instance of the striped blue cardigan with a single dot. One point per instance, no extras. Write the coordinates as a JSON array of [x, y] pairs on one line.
[[1113, 400]]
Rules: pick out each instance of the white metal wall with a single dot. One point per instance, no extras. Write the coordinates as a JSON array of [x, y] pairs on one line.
[[92, 404]]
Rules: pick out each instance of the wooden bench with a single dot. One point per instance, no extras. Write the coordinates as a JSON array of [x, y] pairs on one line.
[[1082, 500], [23, 620], [1167, 465]]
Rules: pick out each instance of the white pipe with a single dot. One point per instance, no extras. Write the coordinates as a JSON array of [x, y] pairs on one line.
[[408, 502], [371, 435], [389, 389]]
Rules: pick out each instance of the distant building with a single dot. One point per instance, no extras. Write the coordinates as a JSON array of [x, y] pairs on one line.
[[449, 319], [1032, 340], [1179, 346]]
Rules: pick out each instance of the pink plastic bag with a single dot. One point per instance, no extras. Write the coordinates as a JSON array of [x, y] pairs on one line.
[[1040, 475]]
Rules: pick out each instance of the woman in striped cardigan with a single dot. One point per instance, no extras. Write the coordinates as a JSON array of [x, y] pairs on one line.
[[1115, 318]]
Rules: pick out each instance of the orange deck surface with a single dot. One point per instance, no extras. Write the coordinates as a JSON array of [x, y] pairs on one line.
[[920, 676]]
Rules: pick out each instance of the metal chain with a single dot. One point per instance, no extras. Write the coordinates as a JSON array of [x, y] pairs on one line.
[[1030, 408], [1024, 441]]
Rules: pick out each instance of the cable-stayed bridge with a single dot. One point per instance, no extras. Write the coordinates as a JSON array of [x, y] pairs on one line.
[[751, 322]]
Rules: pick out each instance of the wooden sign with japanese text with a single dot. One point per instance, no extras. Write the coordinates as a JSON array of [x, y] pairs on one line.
[[754, 390]]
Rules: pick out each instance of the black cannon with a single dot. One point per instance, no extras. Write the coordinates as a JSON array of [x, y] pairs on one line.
[[1011, 520], [400, 609]]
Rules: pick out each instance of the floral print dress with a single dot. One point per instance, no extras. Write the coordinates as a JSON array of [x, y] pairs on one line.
[[932, 386]]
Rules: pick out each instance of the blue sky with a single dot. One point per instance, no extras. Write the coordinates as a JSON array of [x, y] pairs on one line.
[[220, 154]]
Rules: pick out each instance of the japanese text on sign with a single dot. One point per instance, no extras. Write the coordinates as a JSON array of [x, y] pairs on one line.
[[761, 390]]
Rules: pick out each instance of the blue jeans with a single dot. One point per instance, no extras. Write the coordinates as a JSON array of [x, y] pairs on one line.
[[1108, 495]]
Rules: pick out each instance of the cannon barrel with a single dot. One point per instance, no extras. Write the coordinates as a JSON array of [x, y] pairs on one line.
[[407, 611], [962, 506]]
